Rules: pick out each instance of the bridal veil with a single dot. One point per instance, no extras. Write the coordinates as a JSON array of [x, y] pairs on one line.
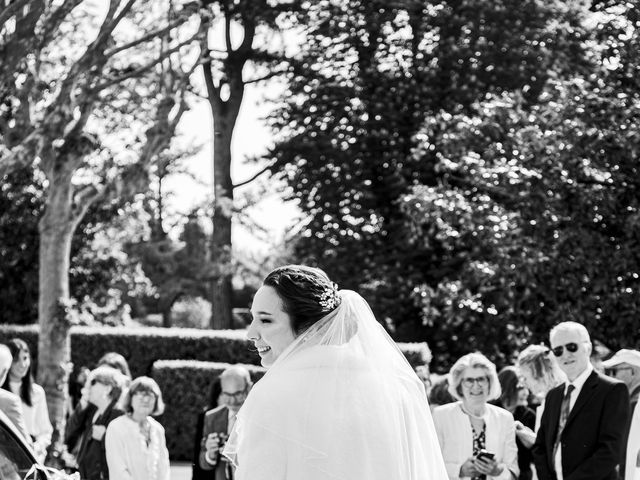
[[341, 402]]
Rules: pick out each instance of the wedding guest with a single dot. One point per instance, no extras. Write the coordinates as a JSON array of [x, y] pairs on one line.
[[9, 402], [218, 422], [135, 443], [32, 396], [540, 373], [514, 399], [339, 400], [81, 417], [470, 427], [197, 473], [439, 393], [103, 390], [583, 424]]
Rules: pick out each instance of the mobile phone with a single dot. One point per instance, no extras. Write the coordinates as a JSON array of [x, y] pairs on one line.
[[485, 455]]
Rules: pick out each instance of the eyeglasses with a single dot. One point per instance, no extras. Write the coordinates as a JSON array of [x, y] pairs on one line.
[[470, 381], [145, 395], [236, 396], [559, 350]]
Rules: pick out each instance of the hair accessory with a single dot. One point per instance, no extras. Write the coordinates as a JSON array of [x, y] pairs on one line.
[[329, 297]]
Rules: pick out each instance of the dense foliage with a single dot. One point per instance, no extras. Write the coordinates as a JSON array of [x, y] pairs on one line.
[[400, 114], [101, 273]]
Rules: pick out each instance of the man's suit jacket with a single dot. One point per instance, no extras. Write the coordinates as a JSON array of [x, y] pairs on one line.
[[216, 420], [11, 405], [593, 434]]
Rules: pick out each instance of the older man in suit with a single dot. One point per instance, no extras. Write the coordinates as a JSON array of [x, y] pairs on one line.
[[583, 425], [218, 422], [10, 403]]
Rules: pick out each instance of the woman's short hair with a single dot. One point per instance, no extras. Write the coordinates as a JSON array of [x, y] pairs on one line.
[[144, 385], [117, 361], [17, 346], [510, 385], [473, 360], [108, 376], [306, 293], [542, 366]]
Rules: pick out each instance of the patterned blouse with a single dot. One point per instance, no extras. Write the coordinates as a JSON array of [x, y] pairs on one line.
[[479, 444]]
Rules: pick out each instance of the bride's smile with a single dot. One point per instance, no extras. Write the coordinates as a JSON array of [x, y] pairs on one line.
[[270, 329]]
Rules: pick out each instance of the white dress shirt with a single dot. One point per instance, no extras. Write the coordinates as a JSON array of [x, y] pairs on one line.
[[578, 383]]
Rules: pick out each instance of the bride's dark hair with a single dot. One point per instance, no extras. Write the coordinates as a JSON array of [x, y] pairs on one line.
[[307, 294]]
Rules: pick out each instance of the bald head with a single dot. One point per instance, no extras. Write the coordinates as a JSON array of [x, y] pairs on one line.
[[235, 382], [5, 362], [237, 372]]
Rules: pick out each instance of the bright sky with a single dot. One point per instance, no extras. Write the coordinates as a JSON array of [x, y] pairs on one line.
[[251, 138]]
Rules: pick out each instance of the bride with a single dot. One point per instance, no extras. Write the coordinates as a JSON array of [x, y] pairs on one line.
[[339, 400]]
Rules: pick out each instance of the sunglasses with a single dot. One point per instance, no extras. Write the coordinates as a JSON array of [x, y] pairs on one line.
[[559, 350]]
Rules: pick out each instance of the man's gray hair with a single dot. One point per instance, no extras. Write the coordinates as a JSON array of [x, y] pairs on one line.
[[571, 327], [237, 371]]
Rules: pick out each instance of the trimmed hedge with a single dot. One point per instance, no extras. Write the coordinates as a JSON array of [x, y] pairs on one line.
[[185, 386], [142, 346]]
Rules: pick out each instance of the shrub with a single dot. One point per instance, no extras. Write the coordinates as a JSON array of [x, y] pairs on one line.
[[143, 346], [191, 312], [185, 386]]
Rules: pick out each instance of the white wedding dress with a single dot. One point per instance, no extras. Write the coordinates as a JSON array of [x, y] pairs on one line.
[[340, 403]]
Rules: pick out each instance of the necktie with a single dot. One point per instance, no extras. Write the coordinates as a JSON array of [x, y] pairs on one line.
[[564, 414]]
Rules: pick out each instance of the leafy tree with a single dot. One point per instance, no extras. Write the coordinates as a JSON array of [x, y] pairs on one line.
[[100, 274], [247, 27], [85, 83], [370, 74], [536, 208], [176, 268]]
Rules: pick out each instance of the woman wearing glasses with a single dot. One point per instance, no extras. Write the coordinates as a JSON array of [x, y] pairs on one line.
[[102, 390], [136, 444], [478, 439]]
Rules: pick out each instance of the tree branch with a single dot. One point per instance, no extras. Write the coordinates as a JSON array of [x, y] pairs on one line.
[[256, 175], [145, 38], [141, 70], [264, 77]]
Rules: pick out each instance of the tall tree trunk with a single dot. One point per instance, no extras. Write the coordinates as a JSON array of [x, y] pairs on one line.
[[54, 346], [221, 289]]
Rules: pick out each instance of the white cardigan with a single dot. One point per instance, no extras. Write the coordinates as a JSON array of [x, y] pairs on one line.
[[129, 457], [456, 438]]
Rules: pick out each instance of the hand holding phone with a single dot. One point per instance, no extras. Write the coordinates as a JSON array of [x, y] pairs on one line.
[[485, 455]]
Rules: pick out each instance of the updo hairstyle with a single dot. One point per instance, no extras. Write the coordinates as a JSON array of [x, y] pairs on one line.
[[306, 293]]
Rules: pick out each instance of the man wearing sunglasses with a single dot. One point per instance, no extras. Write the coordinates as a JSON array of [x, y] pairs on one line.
[[583, 426], [235, 383], [625, 366]]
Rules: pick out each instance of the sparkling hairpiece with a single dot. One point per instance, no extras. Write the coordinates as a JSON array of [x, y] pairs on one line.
[[329, 297]]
